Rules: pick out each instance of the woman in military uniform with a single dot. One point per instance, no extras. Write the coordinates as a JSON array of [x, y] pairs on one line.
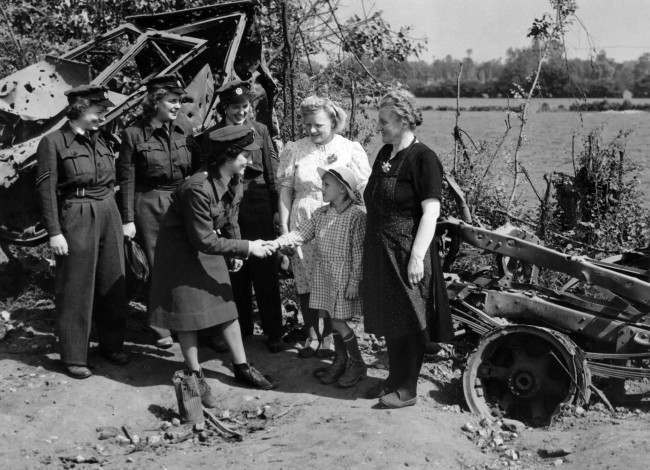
[[155, 157], [257, 212], [75, 178], [199, 238]]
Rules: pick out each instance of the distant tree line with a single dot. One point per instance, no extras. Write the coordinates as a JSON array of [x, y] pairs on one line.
[[597, 77]]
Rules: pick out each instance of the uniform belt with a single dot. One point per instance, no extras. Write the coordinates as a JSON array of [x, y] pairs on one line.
[[144, 187], [93, 192]]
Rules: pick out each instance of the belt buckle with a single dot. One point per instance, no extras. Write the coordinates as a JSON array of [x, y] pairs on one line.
[[83, 192]]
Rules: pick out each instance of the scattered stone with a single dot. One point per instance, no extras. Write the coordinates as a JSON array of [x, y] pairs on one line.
[[558, 462], [468, 427], [452, 408], [198, 427], [512, 425], [176, 422], [203, 436], [511, 454], [107, 432], [554, 452], [165, 425], [154, 440], [122, 440]]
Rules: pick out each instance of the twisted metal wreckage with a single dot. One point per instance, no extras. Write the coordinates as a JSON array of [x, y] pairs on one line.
[[536, 349]]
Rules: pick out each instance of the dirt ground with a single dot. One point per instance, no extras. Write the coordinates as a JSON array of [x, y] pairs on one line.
[[48, 420]]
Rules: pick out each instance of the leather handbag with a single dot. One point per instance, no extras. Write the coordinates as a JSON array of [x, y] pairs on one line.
[[136, 260]]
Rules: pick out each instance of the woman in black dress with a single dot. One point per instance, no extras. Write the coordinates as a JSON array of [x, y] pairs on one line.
[[199, 240], [403, 288]]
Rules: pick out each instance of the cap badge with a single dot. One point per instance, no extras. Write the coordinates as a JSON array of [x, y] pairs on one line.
[[238, 91]]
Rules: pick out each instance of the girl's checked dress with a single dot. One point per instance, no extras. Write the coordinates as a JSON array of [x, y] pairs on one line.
[[298, 171], [336, 258]]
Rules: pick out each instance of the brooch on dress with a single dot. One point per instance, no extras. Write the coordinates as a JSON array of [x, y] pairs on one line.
[[331, 158], [385, 166]]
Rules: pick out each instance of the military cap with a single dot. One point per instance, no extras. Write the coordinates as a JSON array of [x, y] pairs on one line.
[[233, 139], [235, 92], [172, 82], [96, 94]]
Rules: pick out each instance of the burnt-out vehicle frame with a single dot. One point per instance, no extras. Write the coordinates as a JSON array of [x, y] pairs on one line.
[[538, 349], [206, 45]]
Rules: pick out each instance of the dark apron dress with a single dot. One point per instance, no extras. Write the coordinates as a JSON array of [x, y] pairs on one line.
[[391, 306]]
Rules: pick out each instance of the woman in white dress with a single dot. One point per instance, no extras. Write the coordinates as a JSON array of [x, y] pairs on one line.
[[300, 193]]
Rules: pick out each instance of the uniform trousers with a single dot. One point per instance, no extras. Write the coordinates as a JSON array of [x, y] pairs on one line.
[[90, 279]]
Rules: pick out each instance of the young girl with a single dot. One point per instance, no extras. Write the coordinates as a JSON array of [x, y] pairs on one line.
[[337, 230]]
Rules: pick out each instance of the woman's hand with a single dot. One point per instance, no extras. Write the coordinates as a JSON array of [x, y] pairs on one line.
[[352, 292], [235, 265], [59, 245], [129, 230], [415, 269], [261, 249]]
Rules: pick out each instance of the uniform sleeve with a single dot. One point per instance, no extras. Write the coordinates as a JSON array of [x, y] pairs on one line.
[[126, 177], [427, 176], [195, 202], [46, 180], [271, 164], [287, 166], [357, 235], [360, 164]]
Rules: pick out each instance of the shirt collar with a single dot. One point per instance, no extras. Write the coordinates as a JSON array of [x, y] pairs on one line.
[[149, 129], [69, 133]]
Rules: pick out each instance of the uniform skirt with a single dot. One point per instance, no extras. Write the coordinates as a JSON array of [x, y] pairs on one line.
[[189, 290]]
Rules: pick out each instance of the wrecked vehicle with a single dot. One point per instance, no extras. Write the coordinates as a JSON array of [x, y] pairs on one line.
[[538, 349], [206, 45]]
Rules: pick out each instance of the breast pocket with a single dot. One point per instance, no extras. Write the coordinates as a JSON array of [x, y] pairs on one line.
[[154, 159], [78, 165], [182, 155], [105, 160]]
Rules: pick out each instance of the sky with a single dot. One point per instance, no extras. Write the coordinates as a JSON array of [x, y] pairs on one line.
[[490, 27]]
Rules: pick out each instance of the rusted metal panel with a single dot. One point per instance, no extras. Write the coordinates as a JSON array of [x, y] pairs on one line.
[[581, 268], [36, 92]]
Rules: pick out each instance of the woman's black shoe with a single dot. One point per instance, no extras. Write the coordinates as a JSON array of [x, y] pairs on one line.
[[118, 358], [249, 375]]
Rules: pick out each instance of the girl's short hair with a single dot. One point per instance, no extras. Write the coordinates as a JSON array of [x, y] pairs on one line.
[[402, 103], [314, 103], [77, 108], [150, 102]]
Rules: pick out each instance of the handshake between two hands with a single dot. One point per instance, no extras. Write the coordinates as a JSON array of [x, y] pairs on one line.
[[265, 248]]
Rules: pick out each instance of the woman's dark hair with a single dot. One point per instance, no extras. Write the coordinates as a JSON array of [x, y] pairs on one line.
[[77, 108], [150, 102], [220, 154]]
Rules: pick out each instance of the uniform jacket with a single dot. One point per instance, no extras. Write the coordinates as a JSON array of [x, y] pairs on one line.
[[207, 211], [153, 158], [72, 165], [264, 164]]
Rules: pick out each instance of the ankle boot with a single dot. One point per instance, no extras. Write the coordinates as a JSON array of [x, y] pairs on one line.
[[207, 398], [355, 369], [331, 374], [249, 375]]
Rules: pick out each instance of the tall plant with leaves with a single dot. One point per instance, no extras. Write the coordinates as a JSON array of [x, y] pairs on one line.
[[314, 50]]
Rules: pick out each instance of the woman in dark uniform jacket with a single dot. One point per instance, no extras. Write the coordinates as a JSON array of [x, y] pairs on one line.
[[155, 157], [403, 288], [75, 179], [198, 237]]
